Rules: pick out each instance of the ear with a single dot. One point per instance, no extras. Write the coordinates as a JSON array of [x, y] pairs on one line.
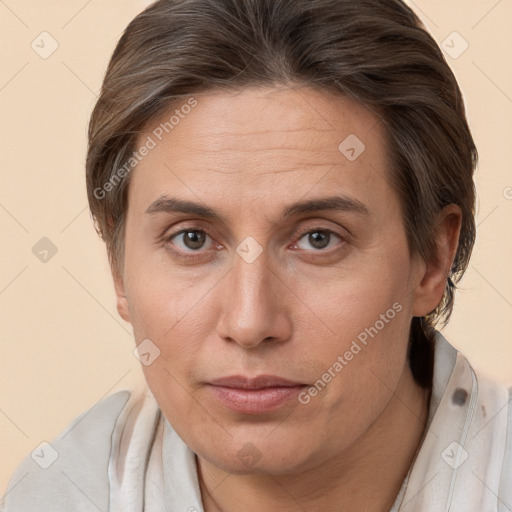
[[122, 301], [430, 290]]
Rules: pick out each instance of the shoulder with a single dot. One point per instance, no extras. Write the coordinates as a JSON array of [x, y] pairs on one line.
[[484, 428], [71, 471], [505, 490], [495, 435]]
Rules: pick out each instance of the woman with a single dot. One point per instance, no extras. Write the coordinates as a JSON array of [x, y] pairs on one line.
[[286, 193]]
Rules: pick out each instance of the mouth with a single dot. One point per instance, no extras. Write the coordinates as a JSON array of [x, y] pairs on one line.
[[256, 395]]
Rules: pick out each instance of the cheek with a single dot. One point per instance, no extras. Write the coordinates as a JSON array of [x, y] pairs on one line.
[[175, 312], [166, 312], [174, 316], [368, 311], [360, 371], [160, 296], [352, 299]]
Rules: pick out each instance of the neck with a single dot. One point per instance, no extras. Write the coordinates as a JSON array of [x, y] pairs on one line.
[[367, 477]]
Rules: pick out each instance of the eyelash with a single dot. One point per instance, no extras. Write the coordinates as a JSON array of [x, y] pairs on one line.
[[198, 254]]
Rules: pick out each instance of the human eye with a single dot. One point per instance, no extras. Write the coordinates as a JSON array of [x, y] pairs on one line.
[[195, 243], [188, 243], [320, 240]]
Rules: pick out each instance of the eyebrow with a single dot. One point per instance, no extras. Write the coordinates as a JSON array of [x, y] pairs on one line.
[[337, 203]]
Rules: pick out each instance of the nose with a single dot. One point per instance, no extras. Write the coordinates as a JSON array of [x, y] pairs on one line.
[[254, 306]]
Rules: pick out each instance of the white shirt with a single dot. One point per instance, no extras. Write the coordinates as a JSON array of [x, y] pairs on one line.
[[111, 458]]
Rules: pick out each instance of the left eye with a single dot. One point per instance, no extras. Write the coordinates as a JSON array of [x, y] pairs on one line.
[[318, 239]]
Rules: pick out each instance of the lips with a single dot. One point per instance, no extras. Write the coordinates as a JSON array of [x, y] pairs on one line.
[[259, 382], [254, 395]]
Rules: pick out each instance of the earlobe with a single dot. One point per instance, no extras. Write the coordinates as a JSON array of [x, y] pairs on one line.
[[432, 285], [121, 299]]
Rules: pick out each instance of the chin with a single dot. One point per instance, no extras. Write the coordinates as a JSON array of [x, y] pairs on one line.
[[260, 456]]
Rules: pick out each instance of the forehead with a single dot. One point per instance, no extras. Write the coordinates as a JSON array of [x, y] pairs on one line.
[[280, 140]]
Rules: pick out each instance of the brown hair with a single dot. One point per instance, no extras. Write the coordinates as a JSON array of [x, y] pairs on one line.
[[374, 51]]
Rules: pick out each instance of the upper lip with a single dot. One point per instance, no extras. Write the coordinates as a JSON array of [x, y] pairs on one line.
[[259, 382]]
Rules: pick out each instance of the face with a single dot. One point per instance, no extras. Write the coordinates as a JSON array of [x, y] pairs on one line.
[[267, 264]]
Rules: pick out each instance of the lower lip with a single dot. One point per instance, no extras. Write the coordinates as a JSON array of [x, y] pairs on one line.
[[255, 401]]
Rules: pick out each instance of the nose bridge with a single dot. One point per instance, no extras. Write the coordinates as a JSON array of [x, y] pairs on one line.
[[252, 311]]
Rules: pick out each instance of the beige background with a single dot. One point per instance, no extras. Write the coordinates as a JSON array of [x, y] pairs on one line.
[[63, 346]]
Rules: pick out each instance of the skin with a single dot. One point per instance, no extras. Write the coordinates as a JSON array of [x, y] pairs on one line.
[[291, 312]]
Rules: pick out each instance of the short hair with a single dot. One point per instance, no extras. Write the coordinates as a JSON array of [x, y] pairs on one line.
[[376, 52]]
